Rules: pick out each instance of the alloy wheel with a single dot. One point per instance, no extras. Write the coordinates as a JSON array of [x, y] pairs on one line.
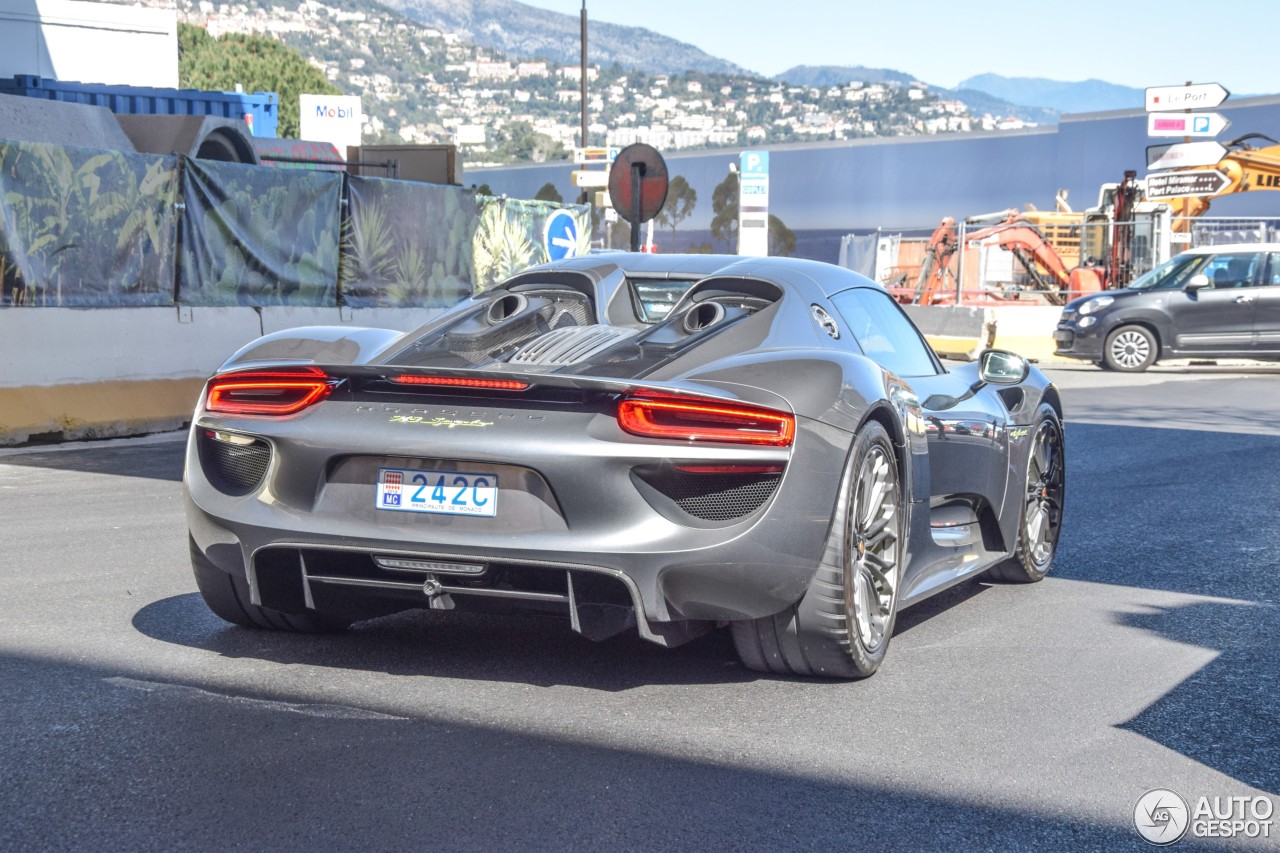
[[871, 548], [1130, 349], [1042, 519]]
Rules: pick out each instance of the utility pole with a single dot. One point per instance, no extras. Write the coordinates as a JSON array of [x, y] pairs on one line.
[[582, 83]]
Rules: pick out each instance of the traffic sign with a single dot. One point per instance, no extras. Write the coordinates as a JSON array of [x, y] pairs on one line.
[[1186, 124], [561, 236], [590, 178], [1197, 182], [1201, 96], [638, 183], [1180, 155], [594, 155]]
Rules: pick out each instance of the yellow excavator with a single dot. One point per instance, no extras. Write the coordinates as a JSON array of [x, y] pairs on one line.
[[1247, 168]]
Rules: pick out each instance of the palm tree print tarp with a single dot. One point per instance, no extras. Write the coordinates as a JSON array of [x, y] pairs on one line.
[[86, 228]]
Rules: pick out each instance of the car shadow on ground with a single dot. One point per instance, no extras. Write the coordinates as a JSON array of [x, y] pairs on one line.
[[537, 650], [1227, 714], [125, 763]]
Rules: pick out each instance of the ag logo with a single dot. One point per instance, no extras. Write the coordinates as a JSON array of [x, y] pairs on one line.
[[1161, 817]]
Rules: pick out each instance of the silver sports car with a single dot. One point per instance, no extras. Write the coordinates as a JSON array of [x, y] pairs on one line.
[[663, 444]]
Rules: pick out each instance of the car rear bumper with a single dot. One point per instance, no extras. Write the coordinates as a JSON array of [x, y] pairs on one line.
[[573, 509]]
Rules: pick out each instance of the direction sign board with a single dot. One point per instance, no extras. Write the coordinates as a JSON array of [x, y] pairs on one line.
[[1180, 155], [1201, 96], [1197, 182], [561, 236], [1186, 124], [595, 155], [591, 178], [753, 203]]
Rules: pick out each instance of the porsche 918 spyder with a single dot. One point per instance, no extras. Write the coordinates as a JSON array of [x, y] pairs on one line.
[[661, 444]]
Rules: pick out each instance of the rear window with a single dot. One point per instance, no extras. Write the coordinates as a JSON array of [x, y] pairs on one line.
[[654, 298]]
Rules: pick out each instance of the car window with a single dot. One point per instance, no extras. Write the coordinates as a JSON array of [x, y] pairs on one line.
[[654, 298], [885, 334], [1225, 271], [1273, 274]]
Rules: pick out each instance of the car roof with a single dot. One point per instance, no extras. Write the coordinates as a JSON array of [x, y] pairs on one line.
[[828, 278], [1231, 248]]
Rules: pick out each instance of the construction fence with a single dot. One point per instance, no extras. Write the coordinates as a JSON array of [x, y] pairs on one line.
[[86, 229], [1028, 260]]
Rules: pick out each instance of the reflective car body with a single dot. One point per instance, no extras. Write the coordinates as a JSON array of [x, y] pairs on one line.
[[554, 410], [1209, 302]]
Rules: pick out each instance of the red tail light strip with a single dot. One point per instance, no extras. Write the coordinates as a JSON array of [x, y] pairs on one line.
[[274, 393], [729, 469], [461, 382], [693, 419]]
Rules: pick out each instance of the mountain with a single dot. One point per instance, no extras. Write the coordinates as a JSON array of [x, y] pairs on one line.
[[839, 75], [1083, 97], [978, 101], [518, 30]]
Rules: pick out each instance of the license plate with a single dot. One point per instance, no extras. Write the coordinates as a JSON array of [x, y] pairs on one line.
[[444, 492]]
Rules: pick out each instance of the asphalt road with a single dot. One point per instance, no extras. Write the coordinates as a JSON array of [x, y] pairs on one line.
[[1005, 717]]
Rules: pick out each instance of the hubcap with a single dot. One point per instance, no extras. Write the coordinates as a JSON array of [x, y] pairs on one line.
[[872, 551], [1045, 487], [1130, 349]]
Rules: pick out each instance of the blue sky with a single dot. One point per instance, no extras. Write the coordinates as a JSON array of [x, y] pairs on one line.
[[1132, 42]]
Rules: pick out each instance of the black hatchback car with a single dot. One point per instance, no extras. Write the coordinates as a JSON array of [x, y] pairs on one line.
[[1211, 302]]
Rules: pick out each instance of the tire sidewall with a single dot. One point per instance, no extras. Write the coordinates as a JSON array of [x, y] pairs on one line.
[[1044, 414]]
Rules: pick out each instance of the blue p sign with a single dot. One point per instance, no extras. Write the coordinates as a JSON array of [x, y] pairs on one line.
[[561, 236], [1201, 124]]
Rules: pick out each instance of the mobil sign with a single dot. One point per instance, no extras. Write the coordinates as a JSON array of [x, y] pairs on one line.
[[336, 119]]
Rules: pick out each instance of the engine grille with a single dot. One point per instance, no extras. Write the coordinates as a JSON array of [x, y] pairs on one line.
[[234, 464], [715, 497]]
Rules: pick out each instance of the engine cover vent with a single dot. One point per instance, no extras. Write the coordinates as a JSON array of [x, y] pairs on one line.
[[571, 345]]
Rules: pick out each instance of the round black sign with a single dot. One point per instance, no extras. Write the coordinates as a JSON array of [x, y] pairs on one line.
[[638, 183]]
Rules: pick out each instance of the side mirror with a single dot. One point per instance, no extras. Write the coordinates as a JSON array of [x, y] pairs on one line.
[[998, 367], [1197, 282]]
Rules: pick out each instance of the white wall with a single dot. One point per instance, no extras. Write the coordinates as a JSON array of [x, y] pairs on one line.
[[89, 42]]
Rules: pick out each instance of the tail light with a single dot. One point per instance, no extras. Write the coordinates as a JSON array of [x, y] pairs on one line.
[[693, 419], [268, 392]]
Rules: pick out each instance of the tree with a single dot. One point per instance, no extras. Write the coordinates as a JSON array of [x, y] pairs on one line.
[[257, 63], [548, 192], [782, 240], [724, 209], [681, 200]]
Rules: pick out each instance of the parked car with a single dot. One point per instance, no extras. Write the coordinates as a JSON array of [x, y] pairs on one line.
[[1210, 302], [653, 443]]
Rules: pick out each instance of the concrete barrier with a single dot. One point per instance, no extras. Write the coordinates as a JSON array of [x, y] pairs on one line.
[[105, 372], [962, 332]]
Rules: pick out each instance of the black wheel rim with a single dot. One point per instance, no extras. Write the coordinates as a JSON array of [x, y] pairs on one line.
[[871, 548], [1042, 518]]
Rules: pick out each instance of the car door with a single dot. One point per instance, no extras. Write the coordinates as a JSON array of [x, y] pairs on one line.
[[968, 454], [1266, 312], [1217, 318]]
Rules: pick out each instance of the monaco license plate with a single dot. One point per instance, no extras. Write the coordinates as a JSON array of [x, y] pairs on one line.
[[446, 492]]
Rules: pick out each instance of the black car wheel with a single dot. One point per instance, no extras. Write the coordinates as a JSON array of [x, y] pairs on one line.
[[1131, 349], [228, 597], [842, 626], [1041, 519]]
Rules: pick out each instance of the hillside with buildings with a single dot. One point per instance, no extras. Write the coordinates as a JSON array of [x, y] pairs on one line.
[[422, 84]]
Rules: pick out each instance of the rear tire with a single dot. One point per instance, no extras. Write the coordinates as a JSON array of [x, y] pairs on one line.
[[1131, 349], [227, 595], [842, 626], [1041, 519]]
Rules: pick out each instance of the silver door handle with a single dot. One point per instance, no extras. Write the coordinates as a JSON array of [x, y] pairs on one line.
[[1240, 300]]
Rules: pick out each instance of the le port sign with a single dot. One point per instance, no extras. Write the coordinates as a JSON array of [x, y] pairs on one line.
[[1200, 96]]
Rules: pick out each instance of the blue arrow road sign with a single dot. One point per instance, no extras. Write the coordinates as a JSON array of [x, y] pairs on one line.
[[561, 237]]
